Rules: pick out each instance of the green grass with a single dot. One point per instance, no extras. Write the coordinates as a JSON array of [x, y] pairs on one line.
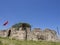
[[7, 41]]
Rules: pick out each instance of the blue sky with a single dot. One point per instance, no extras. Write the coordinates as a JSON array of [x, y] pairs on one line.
[[39, 13]]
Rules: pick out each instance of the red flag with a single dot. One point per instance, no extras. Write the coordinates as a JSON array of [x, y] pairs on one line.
[[5, 23]]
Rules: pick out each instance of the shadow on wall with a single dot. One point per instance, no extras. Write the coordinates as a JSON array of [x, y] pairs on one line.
[[9, 33]]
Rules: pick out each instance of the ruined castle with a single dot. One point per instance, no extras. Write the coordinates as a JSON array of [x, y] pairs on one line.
[[24, 32]]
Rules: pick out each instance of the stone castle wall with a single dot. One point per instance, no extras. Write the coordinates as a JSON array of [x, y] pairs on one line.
[[36, 34]]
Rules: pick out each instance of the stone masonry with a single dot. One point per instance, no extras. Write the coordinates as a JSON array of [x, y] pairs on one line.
[[28, 34]]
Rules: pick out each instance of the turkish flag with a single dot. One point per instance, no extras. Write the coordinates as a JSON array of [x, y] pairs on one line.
[[5, 23]]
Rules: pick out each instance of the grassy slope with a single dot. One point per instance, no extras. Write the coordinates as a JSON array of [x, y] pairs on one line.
[[6, 41]]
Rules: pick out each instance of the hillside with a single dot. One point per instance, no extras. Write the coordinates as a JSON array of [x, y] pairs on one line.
[[7, 41]]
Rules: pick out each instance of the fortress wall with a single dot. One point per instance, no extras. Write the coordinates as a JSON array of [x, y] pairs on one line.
[[18, 35], [3, 33], [35, 34]]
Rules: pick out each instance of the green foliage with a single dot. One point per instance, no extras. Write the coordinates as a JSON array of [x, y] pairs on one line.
[[7, 41], [1, 43], [18, 25]]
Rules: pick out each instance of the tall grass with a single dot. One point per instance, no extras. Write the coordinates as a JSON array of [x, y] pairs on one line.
[[7, 41]]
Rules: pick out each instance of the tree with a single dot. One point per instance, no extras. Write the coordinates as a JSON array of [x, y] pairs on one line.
[[18, 25], [23, 25]]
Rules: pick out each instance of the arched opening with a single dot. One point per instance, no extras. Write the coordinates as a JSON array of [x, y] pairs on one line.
[[9, 33]]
